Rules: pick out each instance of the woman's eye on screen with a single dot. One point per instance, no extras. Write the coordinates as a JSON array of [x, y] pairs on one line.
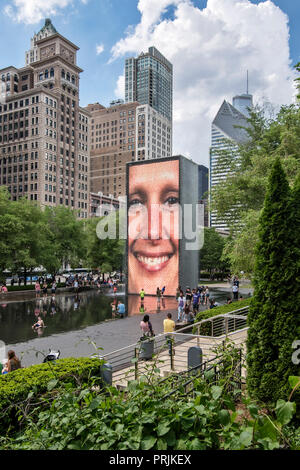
[[171, 201], [135, 203]]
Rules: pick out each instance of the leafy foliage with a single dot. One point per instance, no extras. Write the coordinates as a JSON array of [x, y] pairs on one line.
[[141, 418], [273, 317], [211, 252]]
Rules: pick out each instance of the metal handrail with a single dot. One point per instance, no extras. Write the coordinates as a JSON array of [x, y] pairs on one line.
[[122, 357]]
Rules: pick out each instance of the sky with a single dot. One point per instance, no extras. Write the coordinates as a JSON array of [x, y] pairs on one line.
[[211, 43]]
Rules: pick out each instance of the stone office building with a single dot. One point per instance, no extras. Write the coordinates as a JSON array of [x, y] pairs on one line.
[[44, 145], [112, 145]]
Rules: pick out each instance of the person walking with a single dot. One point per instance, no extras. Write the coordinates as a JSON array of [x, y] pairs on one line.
[[142, 295], [169, 327], [53, 288], [188, 295], [158, 295], [37, 289], [235, 291], [196, 300], [181, 304], [163, 291], [207, 293], [45, 287]]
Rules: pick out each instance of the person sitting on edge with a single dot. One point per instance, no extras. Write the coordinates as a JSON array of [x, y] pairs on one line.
[[38, 324], [13, 362], [146, 326], [5, 368]]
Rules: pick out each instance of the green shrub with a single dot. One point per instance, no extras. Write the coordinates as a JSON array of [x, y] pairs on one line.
[[205, 329], [144, 418], [15, 386]]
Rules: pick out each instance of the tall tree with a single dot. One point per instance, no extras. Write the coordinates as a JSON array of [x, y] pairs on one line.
[[29, 240], [108, 254], [211, 258], [287, 323], [275, 285], [65, 239]]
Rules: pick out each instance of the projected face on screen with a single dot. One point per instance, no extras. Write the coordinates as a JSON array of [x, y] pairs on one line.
[[153, 227]]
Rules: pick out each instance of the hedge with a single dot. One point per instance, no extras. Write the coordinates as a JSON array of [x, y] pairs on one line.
[[15, 386]]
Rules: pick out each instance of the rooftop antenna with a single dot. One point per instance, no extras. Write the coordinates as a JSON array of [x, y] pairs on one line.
[[247, 83]]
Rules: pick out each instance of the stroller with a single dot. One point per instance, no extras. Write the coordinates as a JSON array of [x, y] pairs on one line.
[[52, 355]]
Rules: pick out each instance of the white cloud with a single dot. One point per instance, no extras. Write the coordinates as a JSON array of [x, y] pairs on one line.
[[120, 88], [211, 49], [33, 11], [99, 49]]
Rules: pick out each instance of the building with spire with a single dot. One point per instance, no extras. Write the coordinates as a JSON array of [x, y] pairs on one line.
[[228, 125], [44, 147]]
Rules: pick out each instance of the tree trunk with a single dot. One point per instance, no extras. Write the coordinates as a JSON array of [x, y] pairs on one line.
[[25, 275]]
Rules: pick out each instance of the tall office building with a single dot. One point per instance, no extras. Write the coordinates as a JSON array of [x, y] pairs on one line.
[[112, 145], [226, 125], [149, 81], [153, 134], [44, 152]]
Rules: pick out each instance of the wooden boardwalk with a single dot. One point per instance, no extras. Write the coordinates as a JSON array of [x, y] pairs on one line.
[[162, 359]]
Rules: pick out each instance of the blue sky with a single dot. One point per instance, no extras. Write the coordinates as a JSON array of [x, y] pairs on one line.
[[115, 24]]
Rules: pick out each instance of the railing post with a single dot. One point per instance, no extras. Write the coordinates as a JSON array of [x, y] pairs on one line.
[[226, 326], [172, 353], [136, 368]]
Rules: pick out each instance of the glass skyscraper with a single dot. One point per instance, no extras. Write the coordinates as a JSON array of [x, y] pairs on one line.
[[229, 124], [149, 80]]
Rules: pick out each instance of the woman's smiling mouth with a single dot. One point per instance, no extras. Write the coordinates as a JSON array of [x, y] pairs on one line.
[[153, 262]]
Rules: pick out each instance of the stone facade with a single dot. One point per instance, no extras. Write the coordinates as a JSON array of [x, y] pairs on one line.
[[44, 145]]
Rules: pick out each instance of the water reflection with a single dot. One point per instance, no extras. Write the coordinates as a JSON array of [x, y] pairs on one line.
[[60, 313]]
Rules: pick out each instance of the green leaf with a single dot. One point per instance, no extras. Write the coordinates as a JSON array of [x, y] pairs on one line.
[[181, 445], [171, 438], [148, 442], [253, 410], [51, 384], [75, 446], [162, 429], [216, 392], [224, 417], [245, 438], [285, 411], [161, 444], [196, 444], [294, 381], [95, 403]]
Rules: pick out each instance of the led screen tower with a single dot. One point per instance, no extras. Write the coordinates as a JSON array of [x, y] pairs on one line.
[[162, 225]]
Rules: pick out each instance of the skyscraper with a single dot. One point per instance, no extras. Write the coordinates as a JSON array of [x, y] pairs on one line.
[[44, 152], [149, 81], [226, 125], [112, 144]]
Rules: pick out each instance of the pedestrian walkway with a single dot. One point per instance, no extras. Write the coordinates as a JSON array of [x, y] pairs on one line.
[[125, 371]]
